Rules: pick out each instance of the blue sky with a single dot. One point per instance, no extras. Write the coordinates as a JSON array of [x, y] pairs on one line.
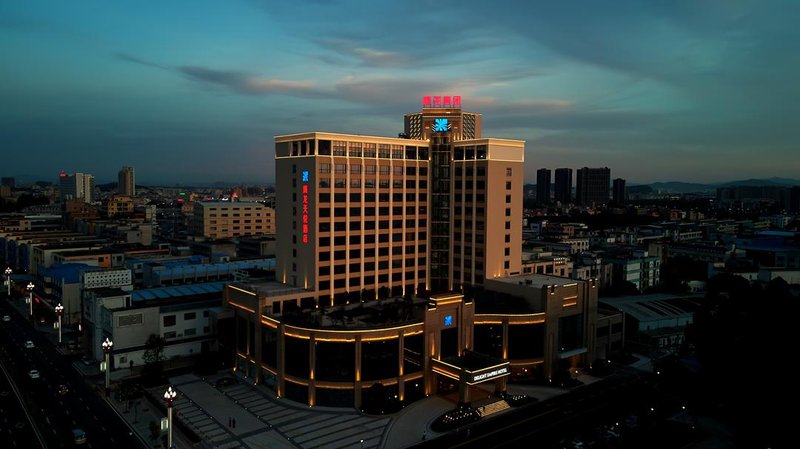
[[190, 91]]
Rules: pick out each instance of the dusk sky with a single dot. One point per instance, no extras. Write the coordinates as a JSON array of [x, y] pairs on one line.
[[194, 91]]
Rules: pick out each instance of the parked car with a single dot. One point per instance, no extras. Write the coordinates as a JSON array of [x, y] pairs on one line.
[[29, 345], [86, 360], [33, 374], [6, 318]]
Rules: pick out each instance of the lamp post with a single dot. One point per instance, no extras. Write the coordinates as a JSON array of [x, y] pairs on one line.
[[169, 397], [30, 297], [59, 311], [107, 346], [8, 280]]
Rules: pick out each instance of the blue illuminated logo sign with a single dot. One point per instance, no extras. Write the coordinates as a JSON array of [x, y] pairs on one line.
[[440, 125], [448, 320], [305, 175]]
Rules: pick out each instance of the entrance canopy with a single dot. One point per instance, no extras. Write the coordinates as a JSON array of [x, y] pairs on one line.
[[471, 368]]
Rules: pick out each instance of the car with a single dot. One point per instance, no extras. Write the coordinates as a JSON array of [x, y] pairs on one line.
[[79, 436], [6, 318], [63, 389], [33, 374], [86, 360], [29, 345], [72, 345]]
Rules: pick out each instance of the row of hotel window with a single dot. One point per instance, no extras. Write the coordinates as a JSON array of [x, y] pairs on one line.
[[370, 197], [372, 169], [369, 266], [325, 255], [357, 149], [370, 280]]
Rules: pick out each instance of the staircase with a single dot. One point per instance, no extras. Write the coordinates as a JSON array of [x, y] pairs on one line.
[[493, 408]]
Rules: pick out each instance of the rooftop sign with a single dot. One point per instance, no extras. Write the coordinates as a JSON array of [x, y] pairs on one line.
[[441, 101]]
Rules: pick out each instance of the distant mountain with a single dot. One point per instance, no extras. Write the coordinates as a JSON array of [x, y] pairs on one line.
[[761, 182], [680, 187]]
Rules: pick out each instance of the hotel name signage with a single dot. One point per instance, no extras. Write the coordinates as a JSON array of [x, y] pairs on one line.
[[304, 214], [441, 101], [489, 374]]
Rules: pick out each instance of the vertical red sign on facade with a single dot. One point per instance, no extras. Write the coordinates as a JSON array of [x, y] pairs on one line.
[[437, 101], [446, 101], [304, 213]]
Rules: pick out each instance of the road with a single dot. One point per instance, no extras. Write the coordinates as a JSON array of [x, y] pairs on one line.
[[54, 414]]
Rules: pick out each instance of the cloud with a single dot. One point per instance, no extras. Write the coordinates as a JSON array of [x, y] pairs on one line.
[[136, 60], [246, 84]]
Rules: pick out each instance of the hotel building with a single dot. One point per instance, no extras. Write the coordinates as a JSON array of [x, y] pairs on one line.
[[362, 219]]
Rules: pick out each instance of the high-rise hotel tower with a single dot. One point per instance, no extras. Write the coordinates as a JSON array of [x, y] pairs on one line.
[[440, 209]]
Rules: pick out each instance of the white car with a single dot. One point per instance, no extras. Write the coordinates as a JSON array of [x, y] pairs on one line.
[[34, 374], [28, 344], [6, 318]]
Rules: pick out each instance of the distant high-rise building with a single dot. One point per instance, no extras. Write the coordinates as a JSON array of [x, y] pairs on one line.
[[79, 185], [543, 185], [126, 182], [619, 192], [563, 185], [593, 186], [11, 183]]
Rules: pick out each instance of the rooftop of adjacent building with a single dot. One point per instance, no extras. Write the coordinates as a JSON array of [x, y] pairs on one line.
[[537, 280], [655, 307]]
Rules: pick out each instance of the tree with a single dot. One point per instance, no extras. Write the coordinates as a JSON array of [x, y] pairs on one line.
[[153, 357]]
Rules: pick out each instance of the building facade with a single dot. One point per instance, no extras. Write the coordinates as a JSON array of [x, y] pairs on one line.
[[126, 182], [619, 196], [563, 185], [222, 219], [76, 186], [377, 240], [543, 186], [592, 186]]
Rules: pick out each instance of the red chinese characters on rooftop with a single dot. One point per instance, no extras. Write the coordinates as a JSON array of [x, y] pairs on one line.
[[441, 101]]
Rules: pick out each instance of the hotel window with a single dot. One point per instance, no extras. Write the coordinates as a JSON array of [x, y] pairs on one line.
[[397, 183], [369, 252], [369, 183], [508, 225], [384, 184], [369, 169], [397, 153], [508, 212], [324, 168], [508, 171], [508, 238], [508, 198], [355, 169], [369, 150], [341, 169], [325, 256], [325, 241], [355, 183], [506, 265], [169, 320], [339, 148], [355, 225], [324, 271], [355, 149], [339, 183], [507, 252], [340, 226], [383, 151], [385, 170]]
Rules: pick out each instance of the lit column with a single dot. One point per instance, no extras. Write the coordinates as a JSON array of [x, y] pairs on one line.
[[169, 397], [107, 346], [59, 311], [8, 280], [30, 297]]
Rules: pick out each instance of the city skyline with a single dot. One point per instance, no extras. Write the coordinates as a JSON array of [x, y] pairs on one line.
[[198, 93]]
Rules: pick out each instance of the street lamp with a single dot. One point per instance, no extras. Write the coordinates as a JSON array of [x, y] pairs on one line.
[[8, 280], [107, 346], [30, 296], [59, 311], [169, 397]]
